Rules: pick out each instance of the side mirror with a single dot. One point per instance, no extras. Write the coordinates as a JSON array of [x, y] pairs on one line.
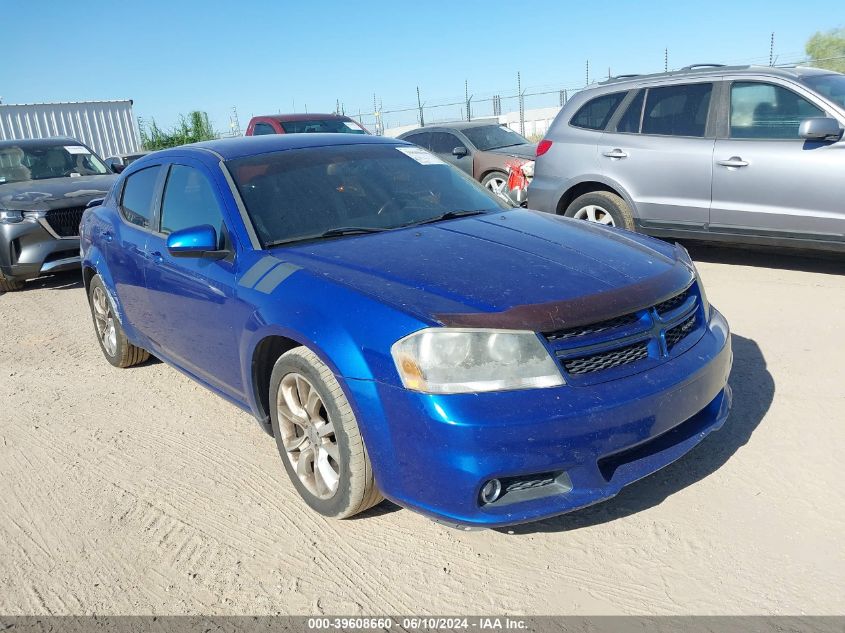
[[196, 241], [460, 152], [114, 164], [820, 128], [117, 168]]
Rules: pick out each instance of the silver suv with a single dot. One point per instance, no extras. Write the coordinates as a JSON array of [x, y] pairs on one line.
[[739, 154]]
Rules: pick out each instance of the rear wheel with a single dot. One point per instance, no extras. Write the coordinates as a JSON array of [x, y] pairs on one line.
[[10, 285], [116, 347], [495, 181], [602, 207], [318, 437]]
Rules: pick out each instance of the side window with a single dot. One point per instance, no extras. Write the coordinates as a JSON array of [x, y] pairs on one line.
[[595, 114], [262, 128], [767, 111], [423, 139], [630, 121], [677, 110], [444, 143], [189, 201], [136, 201]]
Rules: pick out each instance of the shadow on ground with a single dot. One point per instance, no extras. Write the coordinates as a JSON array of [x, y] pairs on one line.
[[70, 280], [765, 257], [753, 391]]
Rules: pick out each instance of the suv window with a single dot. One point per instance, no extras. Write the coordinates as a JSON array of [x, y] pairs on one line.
[[677, 110], [444, 143], [767, 111], [423, 139], [136, 201], [630, 121], [189, 201], [262, 128], [595, 114]]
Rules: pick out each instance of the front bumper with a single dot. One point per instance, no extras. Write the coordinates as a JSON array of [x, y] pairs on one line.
[[28, 249], [433, 453]]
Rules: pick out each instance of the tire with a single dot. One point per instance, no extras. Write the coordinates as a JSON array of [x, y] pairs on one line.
[[332, 428], [607, 208], [10, 285], [492, 179], [110, 335]]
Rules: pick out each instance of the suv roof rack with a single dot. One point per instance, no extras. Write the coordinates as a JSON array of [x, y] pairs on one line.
[[694, 66]]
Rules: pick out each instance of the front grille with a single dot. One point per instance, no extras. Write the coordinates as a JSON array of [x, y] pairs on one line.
[[65, 222], [593, 328], [606, 360], [679, 332], [672, 303]]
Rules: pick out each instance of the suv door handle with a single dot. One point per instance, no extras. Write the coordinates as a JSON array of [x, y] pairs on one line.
[[733, 161], [615, 153]]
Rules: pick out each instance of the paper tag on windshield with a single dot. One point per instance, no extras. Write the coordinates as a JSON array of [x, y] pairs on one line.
[[421, 156], [73, 174], [76, 149]]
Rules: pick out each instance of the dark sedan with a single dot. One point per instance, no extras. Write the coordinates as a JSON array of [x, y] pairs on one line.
[[483, 149]]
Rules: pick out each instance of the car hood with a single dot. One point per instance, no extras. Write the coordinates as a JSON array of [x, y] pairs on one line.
[[515, 270], [54, 193], [526, 150]]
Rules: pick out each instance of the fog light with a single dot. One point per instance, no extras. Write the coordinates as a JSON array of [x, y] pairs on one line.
[[491, 491]]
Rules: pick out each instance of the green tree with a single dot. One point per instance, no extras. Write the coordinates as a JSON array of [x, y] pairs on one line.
[[827, 49], [191, 129]]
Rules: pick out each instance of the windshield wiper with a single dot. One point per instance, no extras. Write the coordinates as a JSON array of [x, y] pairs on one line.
[[335, 232], [449, 215]]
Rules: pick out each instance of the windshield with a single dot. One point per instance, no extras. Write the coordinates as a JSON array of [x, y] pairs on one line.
[[320, 125], [301, 194], [39, 162], [830, 86], [493, 137]]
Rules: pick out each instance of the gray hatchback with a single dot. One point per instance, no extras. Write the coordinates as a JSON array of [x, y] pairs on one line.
[[739, 154]]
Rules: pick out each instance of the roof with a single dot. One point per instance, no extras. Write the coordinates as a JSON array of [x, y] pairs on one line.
[[40, 142], [707, 70], [305, 116], [238, 147], [54, 103]]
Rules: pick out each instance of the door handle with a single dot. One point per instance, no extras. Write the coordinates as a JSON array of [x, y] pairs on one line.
[[156, 257], [733, 161], [108, 236], [615, 153]]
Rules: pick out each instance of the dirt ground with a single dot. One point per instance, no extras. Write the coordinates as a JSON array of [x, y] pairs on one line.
[[137, 491]]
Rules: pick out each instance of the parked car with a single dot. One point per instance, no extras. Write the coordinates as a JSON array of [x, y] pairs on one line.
[[303, 123], [120, 162], [403, 332], [45, 185], [483, 149], [740, 154]]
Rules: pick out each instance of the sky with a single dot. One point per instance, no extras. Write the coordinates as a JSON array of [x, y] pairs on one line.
[[264, 56]]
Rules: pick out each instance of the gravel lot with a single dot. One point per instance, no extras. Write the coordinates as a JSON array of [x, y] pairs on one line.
[[137, 491]]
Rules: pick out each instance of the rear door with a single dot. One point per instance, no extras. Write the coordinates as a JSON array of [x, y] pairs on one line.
[[659, 149], [766, 179], [197, 317]]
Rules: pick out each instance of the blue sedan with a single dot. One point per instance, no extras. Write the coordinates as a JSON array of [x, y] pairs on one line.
[[401, 332]]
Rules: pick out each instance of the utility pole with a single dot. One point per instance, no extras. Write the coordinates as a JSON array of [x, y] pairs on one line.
[[419, 105], [665, 60], [588, 73], [468, 99], [236, 124], [521, 104], [772, 50]]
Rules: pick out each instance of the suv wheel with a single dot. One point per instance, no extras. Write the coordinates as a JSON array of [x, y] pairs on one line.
[[10, 285], [318, 437], [602, 207], [116, 347]]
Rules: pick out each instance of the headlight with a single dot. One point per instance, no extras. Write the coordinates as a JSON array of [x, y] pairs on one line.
[[11, 217], [685, 257], [450, 360]]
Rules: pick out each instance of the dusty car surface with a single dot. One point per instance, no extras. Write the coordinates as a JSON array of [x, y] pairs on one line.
[[404, 333], [45, 185], [741, 154], [483, 149]]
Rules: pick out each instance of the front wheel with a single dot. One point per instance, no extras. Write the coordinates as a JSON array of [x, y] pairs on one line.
[[496, 181], [602, 207], [318, 437], [10, 285]]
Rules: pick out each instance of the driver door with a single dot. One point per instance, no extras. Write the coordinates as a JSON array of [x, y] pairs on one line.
[[197, 316], [444, 143]]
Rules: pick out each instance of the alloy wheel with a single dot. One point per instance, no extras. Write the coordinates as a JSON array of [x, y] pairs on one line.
[[104, 321], [496, 185], [594, 213], [308, 435]]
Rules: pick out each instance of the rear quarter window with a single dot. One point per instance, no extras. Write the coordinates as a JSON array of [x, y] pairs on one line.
[[596, 113]]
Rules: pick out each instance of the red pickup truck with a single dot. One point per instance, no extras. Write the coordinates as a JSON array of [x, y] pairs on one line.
[[303, 123]]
